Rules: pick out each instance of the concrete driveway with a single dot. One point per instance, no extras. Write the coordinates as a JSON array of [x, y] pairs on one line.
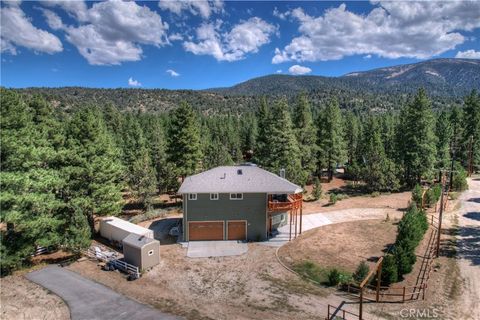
[[89, 300], [206, 249], [315, 220]]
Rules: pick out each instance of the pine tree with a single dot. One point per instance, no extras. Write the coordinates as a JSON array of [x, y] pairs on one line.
[[283, 147], [264, 132], [30, 180], [184, 148], [330, 137], [305, 133], [93, 169], [471, 116], [417, 139], [444, 134]]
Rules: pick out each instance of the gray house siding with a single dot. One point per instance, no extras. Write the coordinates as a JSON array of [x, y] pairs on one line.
[[252, 208]]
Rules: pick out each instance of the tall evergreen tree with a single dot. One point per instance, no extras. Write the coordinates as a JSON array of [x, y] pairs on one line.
[[444, 134], [417, 139], [305, 133], [471, 116], [330, 137], [93, 167], [184, 147], [283, 146], [264, 131]]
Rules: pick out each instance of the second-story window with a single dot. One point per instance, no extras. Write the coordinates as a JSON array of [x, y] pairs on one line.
[[236, 196], [192, 196], [213, 196]]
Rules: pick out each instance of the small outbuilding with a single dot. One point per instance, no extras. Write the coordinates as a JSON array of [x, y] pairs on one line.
[[141, 251], [116, 229]]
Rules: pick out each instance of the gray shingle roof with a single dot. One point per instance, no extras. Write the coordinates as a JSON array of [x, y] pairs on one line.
[[227, 179], [137, 241]]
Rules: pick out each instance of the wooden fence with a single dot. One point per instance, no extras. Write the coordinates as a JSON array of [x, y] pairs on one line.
[[113, 260], [339, 312]]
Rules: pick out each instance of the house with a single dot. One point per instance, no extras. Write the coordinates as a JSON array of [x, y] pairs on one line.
[[241, 202]]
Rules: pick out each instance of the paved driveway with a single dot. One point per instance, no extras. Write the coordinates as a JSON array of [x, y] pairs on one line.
[[89, 300], [205, 249], [315, 220]]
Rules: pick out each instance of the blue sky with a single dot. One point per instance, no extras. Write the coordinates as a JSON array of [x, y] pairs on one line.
[[204, 44]]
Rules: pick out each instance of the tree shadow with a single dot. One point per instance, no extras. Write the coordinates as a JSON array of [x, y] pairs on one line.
[[161, 229], [477, 200], [468, 244], [472, 215]]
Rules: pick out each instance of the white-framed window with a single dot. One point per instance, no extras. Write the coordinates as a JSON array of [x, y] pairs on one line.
[[150, 253], [213, 196], [236, 196], [192, 196]]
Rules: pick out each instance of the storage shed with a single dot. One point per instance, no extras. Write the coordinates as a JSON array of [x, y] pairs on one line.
[[116, 229], [141, 251]]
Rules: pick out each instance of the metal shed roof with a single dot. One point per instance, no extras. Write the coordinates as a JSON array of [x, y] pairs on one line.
[[125, 225], [241, 179], [137, 241]]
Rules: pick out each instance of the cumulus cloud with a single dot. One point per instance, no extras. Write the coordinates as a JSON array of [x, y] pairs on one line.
[[297, 70], [134, 83], [469, 54], [173, 73], [175, 37], [110, 32], [203, 8], [392, 29], [245, 37], [18, 30]]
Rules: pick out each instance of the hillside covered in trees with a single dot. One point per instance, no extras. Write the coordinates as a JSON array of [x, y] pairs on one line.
[[62, 167], [446, 81]]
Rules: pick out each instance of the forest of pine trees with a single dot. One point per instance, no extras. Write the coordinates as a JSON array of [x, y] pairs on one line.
[[62, 168]]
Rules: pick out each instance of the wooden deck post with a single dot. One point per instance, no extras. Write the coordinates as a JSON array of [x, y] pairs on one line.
[[379, 276], [290, 236], [301, 214]]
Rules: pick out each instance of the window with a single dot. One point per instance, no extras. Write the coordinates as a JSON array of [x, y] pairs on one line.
[[150, 253], [213, 196], [236, 196], [192, 196]]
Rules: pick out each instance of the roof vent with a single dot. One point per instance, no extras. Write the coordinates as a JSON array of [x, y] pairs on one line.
[[282, 173], [239, 172]]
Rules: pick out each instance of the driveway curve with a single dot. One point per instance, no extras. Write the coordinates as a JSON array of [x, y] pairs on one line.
[[315, 220], [89, 300]]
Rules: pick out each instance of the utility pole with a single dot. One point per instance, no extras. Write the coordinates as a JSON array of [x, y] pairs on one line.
[[451, 167]]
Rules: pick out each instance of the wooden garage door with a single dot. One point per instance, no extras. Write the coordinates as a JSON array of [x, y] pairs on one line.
[[237, 230], [205, 230]]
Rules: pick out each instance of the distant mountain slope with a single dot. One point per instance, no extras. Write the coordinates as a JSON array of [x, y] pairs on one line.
[[441, 77], [446, 82]]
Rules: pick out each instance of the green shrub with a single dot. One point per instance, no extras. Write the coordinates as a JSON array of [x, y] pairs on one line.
[[334, 277], [375, 194], [459, 180], [404, 258], [341, 196], [389, 270], [417, 195], [310, 270], [361, 272], [333, 198]]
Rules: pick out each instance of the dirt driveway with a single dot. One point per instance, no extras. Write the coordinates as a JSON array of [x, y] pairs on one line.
[[469, 246]]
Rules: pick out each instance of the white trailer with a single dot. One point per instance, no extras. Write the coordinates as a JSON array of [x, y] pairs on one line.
[[116, 229]]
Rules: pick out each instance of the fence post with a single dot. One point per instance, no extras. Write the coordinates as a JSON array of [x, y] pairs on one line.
[[379, 276], [403, 296], [360, 313], [423, 291]]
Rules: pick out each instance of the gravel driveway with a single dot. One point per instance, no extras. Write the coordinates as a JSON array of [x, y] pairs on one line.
[[89, 300]]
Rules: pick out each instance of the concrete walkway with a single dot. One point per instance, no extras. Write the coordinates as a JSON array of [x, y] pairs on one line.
[[206, 249], [89, 300], [315, 220]]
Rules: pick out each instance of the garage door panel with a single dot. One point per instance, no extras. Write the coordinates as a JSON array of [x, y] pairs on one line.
[[205, 230], [237, 230]]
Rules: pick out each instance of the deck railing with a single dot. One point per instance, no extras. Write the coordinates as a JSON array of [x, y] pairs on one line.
[[294, 201]]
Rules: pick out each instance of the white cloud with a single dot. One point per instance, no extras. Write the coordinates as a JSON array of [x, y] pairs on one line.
[[173, 73], [278, 71], [203, 8], [111, 32], [280, 15], [18, 30], [469, 54], [392, 29], [133, 83], [245, 37], [297, 70], [53, 20], [175, 37]]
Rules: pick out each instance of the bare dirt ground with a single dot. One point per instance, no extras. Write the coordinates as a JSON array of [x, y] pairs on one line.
[[337, 185], [24, 300], [324, 246], [251, 286]]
